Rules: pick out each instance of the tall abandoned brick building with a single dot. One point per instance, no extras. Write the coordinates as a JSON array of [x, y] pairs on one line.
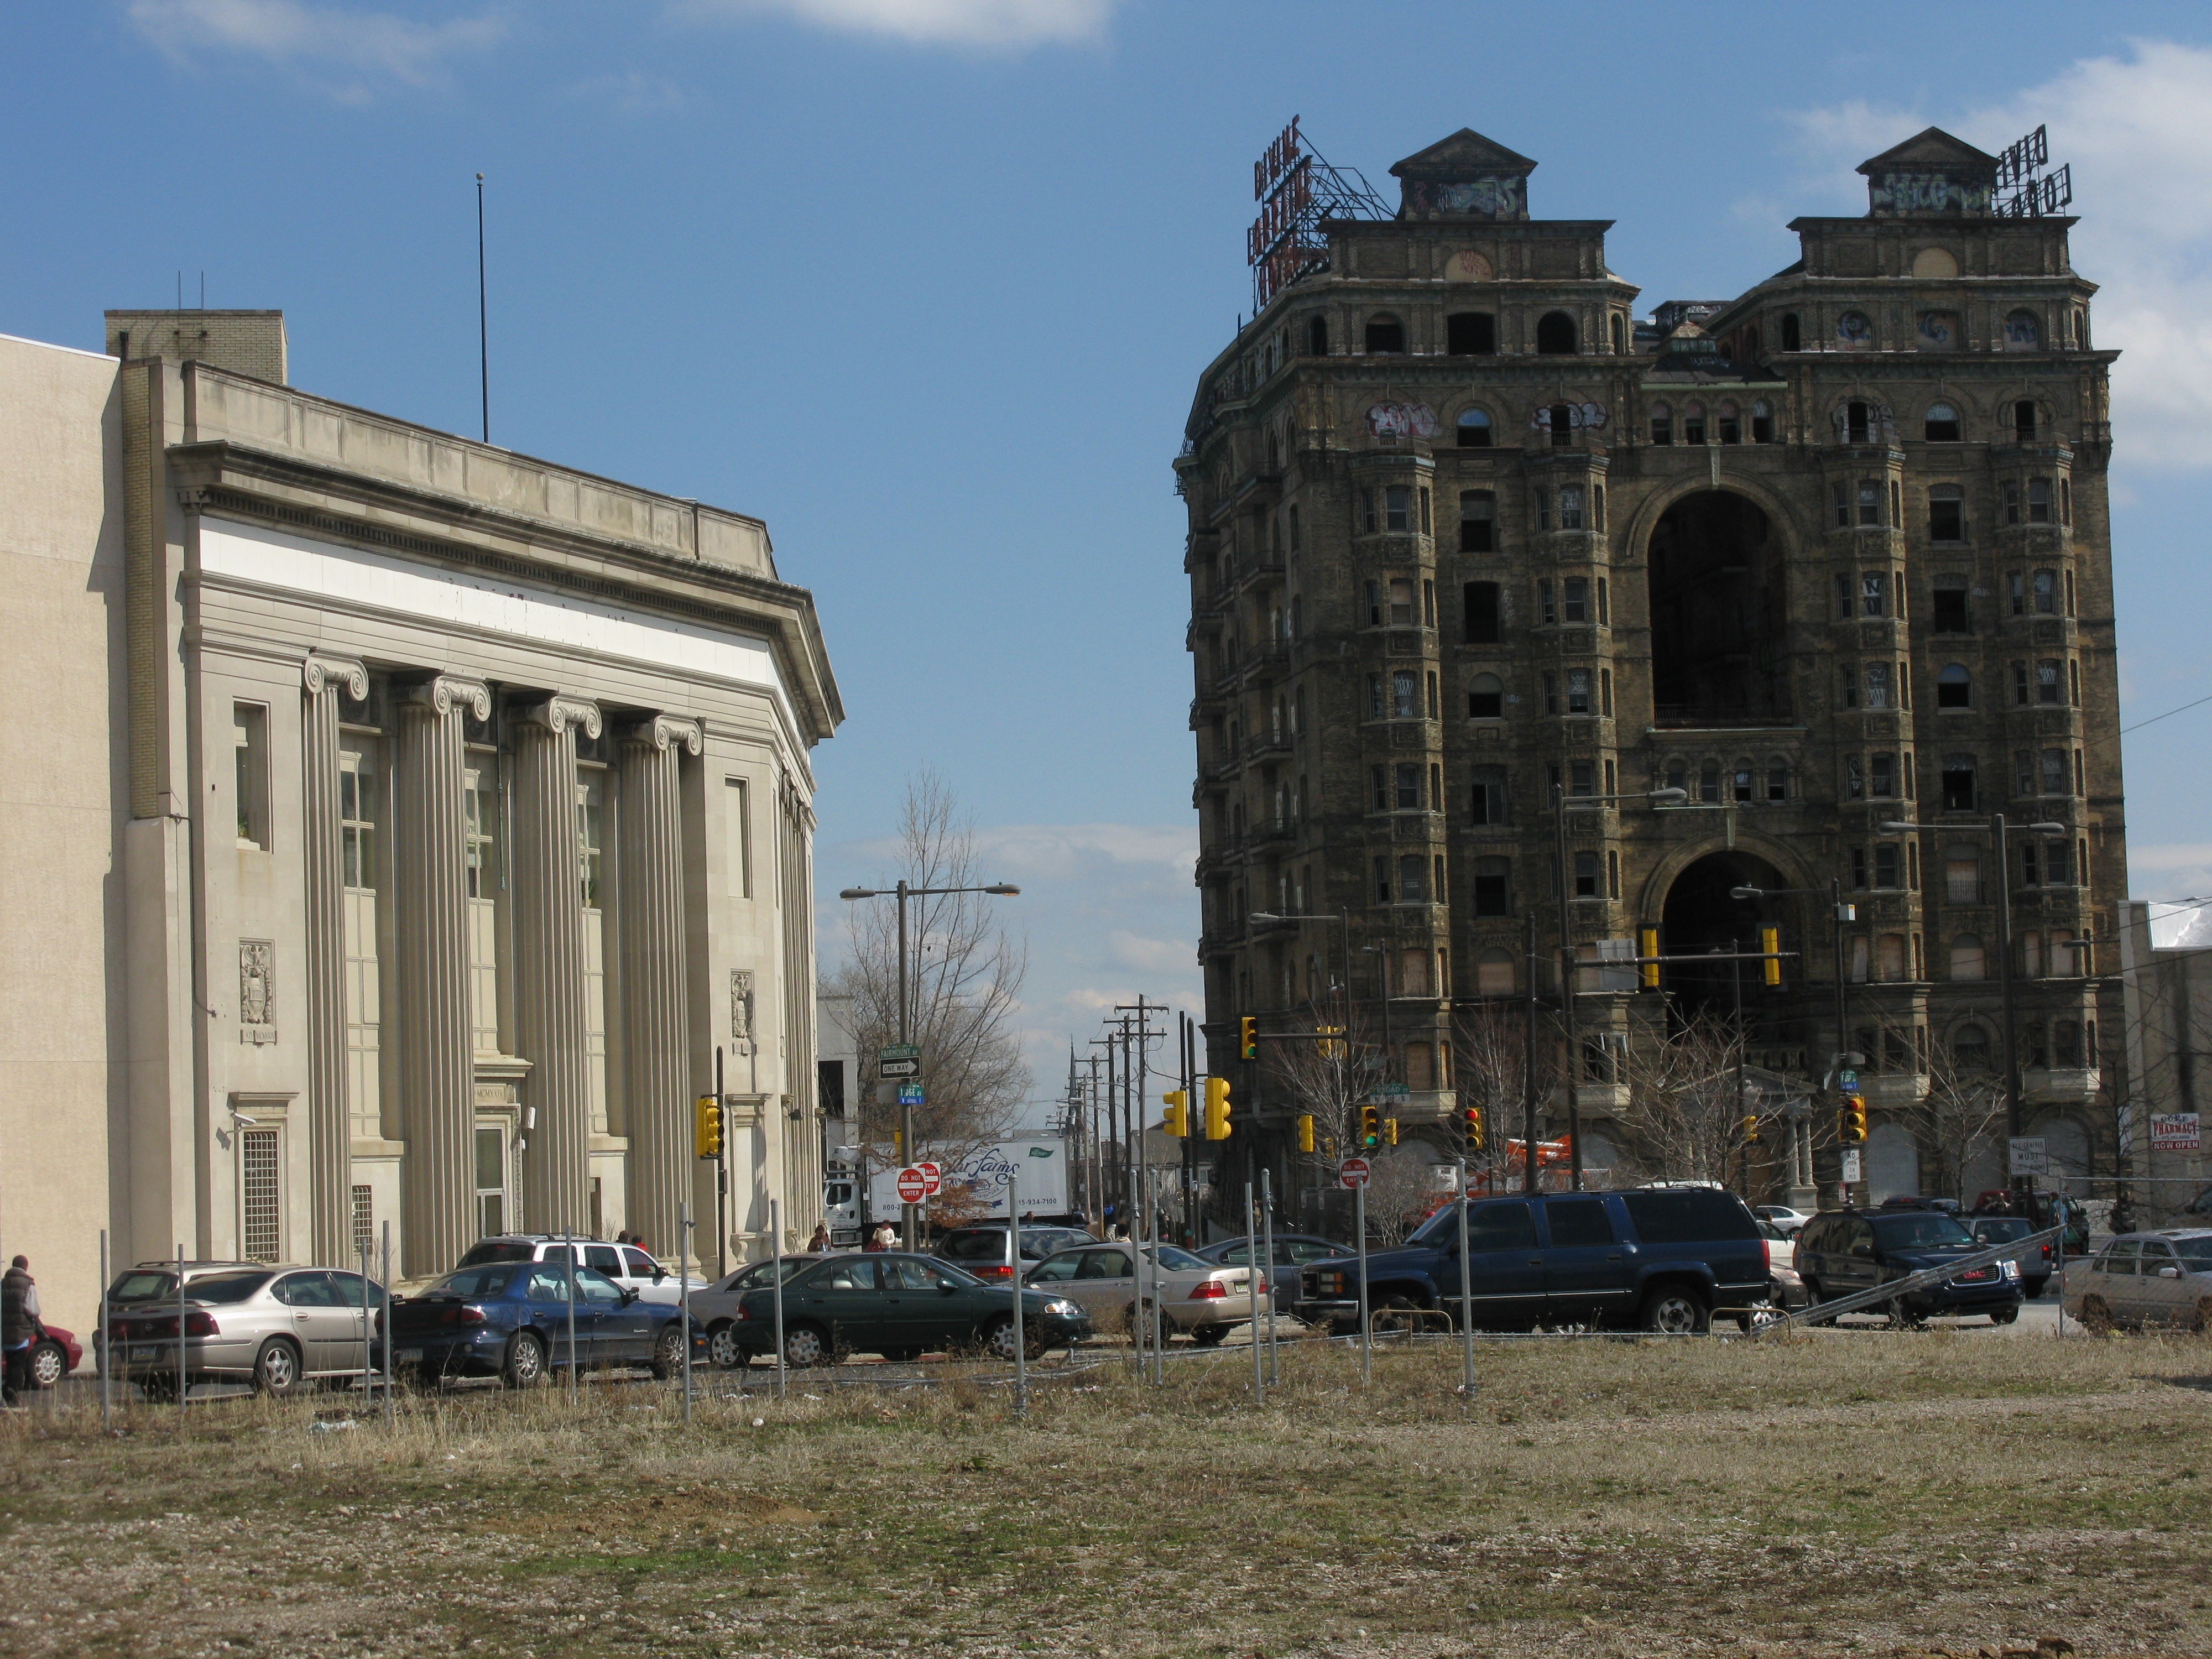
[[1832, 558]]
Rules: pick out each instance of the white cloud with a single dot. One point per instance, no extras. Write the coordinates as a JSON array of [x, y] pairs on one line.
[[2136, 129], [345, 52], [998, 25]]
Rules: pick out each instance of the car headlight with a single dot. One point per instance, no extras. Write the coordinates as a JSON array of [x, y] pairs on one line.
[[2011, 1269], [1063, 1309]]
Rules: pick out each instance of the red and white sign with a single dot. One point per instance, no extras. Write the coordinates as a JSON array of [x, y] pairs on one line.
[[932, 1177], [913, 1186], [1352, 1173], [2176, 1132]]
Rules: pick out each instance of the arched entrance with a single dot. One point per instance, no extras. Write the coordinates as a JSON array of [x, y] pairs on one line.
[[1702, 916], [1718, 614]]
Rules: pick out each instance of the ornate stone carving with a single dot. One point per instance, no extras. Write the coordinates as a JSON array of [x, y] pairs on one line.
[[741, 1009], [664, 730], [446, 692], [257, 1000], [559, 715], [317, 671]]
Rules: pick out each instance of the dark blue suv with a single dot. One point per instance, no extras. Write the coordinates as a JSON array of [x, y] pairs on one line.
[[1841, 1251], [1662, 1258]]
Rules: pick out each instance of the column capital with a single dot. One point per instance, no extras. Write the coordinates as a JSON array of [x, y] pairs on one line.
[[443, 693], [662, 731], [317, 672], [557, 715]]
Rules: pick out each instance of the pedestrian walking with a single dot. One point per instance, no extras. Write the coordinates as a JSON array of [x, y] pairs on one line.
[[819, 1244], [882, 1238], [19, 1329]]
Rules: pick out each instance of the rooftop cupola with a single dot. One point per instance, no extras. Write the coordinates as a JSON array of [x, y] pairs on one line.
[[1466, 176], [1931, 173]]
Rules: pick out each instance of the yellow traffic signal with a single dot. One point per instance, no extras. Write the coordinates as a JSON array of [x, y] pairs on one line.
[[1751, 1131], [707, 1127], [1474, 1130], [1247, 1038], [1852, 1124], [1177, 1121], [1217, 1109], [1305, 1132], [1330, 1050], [1770, 946], [1370, 1127], [1647, 945], [1389, 1131]]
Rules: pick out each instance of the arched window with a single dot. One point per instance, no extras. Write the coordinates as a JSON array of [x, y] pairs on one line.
[[1941, 424], [1470, 334], [1493, 973], [1478, 521], [1954, 687], [2023, 420], [1562, 418], [1762, 421], [1778, 779], [1858, 421], [1555, 335], [1662, 423], [1486, 693], [1968, 960], [1751, 341], [1317, 337], [1792, 336], [1474, 428], [1693, 424], [1730, 423], [1385, 334], [1947, 522], [1958, 783], [1619, 337], [1970, 1048], [1854, 332], [2023, 331]]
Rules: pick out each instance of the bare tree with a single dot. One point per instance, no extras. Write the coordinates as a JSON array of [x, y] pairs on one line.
[[1402, 1191], [1329, 1076], [965, 977], [1684, 1119], [1955, 1117], [1489, 1069]]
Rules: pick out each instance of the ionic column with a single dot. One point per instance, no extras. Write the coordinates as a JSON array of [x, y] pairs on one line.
[[656, 1027], [431, 914], [330, 1134], [548, 965]]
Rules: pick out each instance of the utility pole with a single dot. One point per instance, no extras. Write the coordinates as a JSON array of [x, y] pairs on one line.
[[1139, 1082], [1567, 986], [1528, 1057]]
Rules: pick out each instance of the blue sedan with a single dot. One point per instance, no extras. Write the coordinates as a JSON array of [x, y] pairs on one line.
[[511, 1320]]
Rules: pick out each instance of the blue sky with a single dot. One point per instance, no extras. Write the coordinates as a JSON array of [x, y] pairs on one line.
[[926, 283]]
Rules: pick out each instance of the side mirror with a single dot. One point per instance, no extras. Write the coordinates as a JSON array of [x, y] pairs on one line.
[[2169, 1272], [629, 1294], [659, 1272], [947, 1289]]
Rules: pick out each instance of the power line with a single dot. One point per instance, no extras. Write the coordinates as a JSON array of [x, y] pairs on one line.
[[2169, 714]]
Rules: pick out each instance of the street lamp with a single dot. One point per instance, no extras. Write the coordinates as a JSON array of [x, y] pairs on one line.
[[1996, 826], [903, 893], [1562, 804]]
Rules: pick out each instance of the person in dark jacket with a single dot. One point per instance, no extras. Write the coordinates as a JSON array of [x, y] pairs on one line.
[[19, 1327]]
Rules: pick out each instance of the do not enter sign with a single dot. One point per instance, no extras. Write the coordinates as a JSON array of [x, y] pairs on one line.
[[1352, 1173], [913, 1186], [932, 1177]]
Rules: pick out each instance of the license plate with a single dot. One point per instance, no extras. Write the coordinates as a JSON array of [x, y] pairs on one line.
[[405, 1355], [147, 1351]]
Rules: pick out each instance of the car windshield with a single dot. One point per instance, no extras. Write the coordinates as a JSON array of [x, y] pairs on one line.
[[503, 1249], [474, 1281], [1439, 1228], [2196, 1252], [1177, 1260], [1924, 1230], [1999, 1229], [143, 1288], [226, 1287]]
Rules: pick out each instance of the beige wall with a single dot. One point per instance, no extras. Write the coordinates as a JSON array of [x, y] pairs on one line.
[[61, 905]]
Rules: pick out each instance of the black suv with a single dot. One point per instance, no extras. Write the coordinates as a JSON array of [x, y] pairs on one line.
[[1844, 1251], [1663, 1259]]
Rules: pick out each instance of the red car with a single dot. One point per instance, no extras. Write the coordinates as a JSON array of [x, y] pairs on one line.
[[54, 1355]]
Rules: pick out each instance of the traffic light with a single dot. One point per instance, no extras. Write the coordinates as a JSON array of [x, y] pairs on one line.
[[1305, 1132], [1750, 1131], [1217, 1109], [707, 1127], [1473, 1116], [1647, 945], [1851, 1125], [1247, 1038], [1770, 946], [1177, 1121], [1370, 1127], [1389, 1131], [1330, 1050]]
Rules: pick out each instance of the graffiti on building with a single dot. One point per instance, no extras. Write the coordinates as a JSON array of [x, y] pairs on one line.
[[1401, 420]]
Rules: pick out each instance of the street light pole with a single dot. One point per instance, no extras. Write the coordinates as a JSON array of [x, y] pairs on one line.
[[1568, 987]]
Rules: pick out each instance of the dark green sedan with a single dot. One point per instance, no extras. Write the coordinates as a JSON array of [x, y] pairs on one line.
[[900, 1306]]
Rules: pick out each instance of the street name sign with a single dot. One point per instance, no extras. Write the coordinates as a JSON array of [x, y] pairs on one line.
[[909, 1094]]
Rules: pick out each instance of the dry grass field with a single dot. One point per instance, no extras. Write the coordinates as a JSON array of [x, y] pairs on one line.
[[1837, 1492]]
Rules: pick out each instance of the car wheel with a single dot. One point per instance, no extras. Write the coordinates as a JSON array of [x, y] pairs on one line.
[[804, 1345], [1209, 1336], [724, 1348], [276, 1368], [2095, 1315], [2033, 1288], [668, 1351], [1675, 1310], [998, 1340], [1397, 1314], [49, 1364], [524, 1366], [1814, 1297], [2004, 1315]]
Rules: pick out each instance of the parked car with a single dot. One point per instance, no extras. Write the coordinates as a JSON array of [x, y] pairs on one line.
[[714, 1309], [54, 1354], [157, 1281], [980, 1251], [1293, 1251], [2162, 1278], [2037, 1262], [627, 1265], [511, 1320], [2045, 1209], [1665, 1258], [1791, 1222], [276, 1328], [901, 1306], [1844, 1251], [1788, 1288], [1916, 1201], [1203, 1299]]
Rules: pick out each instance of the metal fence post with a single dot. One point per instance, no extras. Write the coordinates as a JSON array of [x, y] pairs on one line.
[[776, 1282], [569, 1252], [1366, 1326], [1159, 1328], [367, 1333], [106, 1337], [1252, 1292], [1014, 1244], [385, 1277], [182, 1380], [1466, 1292], [1267, 1232], [683, 1297]]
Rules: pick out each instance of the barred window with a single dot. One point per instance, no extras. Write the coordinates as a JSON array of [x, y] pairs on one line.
[[364, 1220], [261, 1195]]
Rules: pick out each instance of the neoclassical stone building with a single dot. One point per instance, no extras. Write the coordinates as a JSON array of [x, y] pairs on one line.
[[1831, 556], [401, 826]]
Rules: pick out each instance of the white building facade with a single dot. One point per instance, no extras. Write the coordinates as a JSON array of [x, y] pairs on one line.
[[429, 823]]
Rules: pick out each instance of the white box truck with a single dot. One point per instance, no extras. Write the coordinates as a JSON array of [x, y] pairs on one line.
[[981, 1177]]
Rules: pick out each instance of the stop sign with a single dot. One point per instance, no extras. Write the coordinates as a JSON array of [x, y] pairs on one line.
[[1352, 1173], [932, 1177], [913, 1186]]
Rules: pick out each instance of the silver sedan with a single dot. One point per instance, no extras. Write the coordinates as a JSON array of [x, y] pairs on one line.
[[1195, 1296], [275, 1327]]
